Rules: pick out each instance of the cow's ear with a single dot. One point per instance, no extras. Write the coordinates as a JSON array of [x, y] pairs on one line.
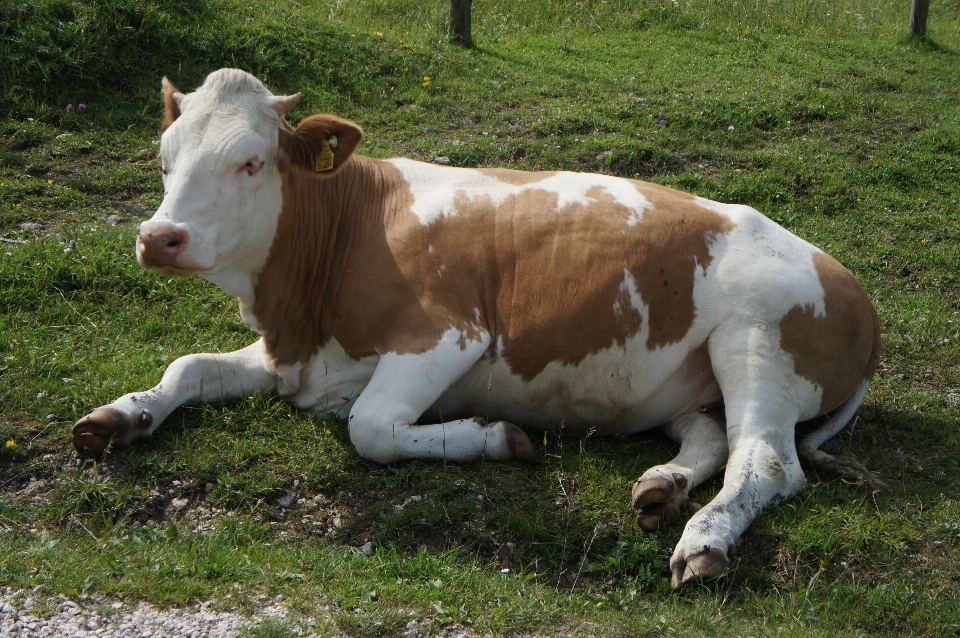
[[322, 143], [171, 103]]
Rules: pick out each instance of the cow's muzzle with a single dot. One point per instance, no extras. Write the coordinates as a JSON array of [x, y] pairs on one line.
[[159, 245]]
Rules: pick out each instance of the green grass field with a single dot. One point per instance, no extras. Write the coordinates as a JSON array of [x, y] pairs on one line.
[[821, 115]]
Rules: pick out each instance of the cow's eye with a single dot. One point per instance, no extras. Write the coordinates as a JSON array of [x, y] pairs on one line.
[[251, 167]]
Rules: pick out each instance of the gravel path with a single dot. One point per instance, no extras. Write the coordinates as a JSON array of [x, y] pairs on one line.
[[143, 621]]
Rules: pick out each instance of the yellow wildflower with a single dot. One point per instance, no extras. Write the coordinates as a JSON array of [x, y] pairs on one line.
[[11, 443], [50, 182]]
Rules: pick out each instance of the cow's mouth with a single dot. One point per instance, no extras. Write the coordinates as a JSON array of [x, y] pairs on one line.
[[171, 271]]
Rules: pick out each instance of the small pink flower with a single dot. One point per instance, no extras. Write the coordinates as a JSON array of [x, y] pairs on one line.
[[69, 107], [82, 106]]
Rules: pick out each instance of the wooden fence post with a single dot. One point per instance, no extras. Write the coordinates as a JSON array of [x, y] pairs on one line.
[[918, 18], [460, 21]]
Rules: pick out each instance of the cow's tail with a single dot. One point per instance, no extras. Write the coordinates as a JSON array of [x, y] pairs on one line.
[[847, 467]]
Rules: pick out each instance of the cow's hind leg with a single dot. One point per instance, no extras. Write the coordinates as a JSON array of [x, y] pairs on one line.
[[762, 399], [662, 490], [194, 378], [763, 470]]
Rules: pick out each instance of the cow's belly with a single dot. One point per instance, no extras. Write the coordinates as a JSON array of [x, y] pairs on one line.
[[618, 390], [614, 391]]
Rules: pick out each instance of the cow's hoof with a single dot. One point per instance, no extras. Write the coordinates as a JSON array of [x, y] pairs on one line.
[[518, 443], [657, 517], [709, 563], [658, 500], [107, 426]]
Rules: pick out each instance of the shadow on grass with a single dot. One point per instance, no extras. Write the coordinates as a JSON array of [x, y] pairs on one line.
[[566, 516]]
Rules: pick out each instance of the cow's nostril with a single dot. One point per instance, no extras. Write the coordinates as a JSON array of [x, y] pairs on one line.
[[173, 244]]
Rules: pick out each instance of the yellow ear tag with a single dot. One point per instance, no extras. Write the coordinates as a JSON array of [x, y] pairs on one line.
[[324, 158]]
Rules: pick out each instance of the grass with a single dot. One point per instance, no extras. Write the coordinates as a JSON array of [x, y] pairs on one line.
[[834, 126]]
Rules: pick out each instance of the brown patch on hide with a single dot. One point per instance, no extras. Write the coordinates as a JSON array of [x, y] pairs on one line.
[[839, 349], [351, 261], [517, 178], [333, 272], [678, 234], [571, 297], [171, 110]]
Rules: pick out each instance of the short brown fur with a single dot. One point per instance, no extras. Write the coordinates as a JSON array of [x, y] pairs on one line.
[[350, 261], [836, 351], [517, 178], [303, 145]]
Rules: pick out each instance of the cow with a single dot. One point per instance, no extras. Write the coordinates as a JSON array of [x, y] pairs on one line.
[[438, 307]]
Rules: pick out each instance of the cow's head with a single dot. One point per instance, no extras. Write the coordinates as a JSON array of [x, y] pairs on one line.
[[223, 161]]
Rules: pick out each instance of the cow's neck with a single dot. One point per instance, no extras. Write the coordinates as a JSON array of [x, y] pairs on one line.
[[296, 292]]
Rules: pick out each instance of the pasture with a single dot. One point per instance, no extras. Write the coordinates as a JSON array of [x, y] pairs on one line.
[[820, 115]]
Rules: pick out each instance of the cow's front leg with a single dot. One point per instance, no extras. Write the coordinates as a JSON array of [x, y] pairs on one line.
[[202, 378], [404, 385], [662, 490]]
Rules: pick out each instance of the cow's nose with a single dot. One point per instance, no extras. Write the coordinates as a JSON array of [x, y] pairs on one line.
[[160, 246], [171, 241]]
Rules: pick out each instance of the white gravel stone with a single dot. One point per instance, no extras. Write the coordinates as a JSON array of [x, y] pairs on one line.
[[75, 620]]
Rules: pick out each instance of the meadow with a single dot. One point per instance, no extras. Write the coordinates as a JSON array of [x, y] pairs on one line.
[[823, 116]]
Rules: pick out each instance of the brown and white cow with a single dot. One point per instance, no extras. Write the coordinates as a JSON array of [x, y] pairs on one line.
[[424, 301]]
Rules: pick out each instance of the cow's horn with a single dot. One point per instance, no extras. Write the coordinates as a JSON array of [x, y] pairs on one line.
[[282, 104]]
